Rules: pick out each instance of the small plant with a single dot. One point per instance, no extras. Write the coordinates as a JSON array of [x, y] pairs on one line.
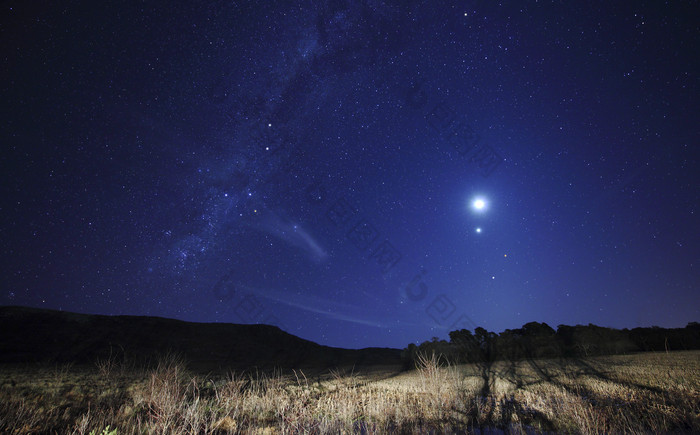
[[105, 431]]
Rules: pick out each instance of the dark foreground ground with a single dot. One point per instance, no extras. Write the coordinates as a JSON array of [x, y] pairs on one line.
[[84, 374], [642, 393]]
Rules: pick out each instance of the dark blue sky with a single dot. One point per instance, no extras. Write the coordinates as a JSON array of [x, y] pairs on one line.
[[313, 165]]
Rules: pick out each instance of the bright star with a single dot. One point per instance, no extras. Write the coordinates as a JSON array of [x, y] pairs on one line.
[[479, 204], [478, 230]]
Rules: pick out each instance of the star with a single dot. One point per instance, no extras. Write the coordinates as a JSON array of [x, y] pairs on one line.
[[478, 229], [479, 204]]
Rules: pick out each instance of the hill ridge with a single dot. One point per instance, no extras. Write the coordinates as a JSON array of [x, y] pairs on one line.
[[46, 335]]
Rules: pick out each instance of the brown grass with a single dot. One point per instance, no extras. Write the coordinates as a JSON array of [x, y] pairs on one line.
[[618, 394]]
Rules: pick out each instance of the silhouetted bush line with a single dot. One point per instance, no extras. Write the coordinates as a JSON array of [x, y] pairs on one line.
[[539, 340]]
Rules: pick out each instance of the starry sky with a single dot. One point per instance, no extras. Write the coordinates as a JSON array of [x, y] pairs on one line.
[[358, 173]]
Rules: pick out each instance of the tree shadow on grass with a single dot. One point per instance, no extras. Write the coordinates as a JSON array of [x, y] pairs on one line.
[[568, 374]]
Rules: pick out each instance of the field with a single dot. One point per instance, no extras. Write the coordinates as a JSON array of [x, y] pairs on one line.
[[652, 392]]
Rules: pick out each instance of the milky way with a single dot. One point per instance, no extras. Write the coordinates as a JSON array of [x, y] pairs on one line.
[[318, 166]]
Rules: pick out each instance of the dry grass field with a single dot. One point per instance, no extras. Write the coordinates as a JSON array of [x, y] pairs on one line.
[[653, 392]]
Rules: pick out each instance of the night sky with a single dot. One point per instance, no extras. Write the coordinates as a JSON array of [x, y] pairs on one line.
[[358, 173]]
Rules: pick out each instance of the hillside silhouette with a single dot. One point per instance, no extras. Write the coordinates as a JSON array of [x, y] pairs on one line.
[[31, 335]]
